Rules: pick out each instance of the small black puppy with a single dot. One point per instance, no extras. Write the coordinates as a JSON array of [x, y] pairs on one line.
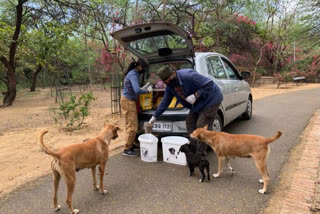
[[195, 160]]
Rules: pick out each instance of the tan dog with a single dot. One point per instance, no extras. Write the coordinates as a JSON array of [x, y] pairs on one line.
[[242, 145], [72, 158]]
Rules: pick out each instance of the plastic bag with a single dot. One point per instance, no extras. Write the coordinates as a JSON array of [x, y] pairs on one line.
[[145, 101]]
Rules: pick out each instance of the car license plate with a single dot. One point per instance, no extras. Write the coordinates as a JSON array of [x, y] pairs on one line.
[[161, 126]]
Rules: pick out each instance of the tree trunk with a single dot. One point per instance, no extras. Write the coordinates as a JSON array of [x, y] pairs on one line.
[[256, 67], [10, 94], [10, 64], [34, 79], [88, 56]]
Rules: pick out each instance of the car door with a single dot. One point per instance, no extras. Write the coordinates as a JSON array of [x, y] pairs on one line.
[[239, 93], [217, 71], [156, 42]]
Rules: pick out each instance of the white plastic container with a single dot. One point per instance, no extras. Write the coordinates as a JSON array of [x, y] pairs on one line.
[[148, 147], [170, 149]]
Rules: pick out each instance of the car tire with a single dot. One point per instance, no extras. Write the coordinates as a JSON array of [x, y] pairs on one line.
[[248, 113], [217, 124]]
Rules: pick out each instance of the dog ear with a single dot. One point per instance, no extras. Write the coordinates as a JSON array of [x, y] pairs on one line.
[[206, 127]]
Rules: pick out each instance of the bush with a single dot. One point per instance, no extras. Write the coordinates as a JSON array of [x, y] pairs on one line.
[[79, 77], [283, 78], [71, 114]]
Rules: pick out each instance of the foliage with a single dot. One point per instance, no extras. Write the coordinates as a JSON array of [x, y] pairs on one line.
[[60, 38], [6, 32], [71, 114], [243, 62], [111, 60], [280, 78], [42, 49], [307, 64], [308, 29], [79, 77]]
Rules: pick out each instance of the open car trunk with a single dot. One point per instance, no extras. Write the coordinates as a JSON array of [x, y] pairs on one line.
[[152, 100], [156, 42]]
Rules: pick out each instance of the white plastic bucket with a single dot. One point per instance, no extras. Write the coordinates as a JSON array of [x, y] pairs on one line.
[[170, 149], [148, 147]]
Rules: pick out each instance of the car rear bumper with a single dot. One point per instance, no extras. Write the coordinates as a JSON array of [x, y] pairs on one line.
[[176, 122]]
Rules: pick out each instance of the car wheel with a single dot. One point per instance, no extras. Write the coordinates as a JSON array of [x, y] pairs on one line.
[[217, 124], [248, 113]]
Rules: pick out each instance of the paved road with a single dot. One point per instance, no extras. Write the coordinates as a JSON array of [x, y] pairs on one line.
[[138, 187]]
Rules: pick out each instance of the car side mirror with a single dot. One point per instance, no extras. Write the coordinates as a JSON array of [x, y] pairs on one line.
[[245, 74]]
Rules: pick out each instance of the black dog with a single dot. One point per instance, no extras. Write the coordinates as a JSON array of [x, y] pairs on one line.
[[195, 160]]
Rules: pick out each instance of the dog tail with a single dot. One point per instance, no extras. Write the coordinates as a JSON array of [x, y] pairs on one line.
[[44, 148], [271, 139]]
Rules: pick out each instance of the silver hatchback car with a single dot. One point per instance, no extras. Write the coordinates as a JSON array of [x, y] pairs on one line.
[[158, 44]]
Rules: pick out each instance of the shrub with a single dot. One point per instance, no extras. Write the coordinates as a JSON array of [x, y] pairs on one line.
[[71, 114], [284, 77]]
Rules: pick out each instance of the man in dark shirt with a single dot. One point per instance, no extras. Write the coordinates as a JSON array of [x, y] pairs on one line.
[[195, 92]]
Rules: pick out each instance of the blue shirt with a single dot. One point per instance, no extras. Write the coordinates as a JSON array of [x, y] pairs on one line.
[[131, 88], [191, 82]]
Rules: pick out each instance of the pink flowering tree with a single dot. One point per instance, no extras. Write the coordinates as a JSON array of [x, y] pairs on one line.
[[306, 65], [111, 59], [313, 73]]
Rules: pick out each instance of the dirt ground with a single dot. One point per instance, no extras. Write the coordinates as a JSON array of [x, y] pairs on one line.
[[289, 170], [21, 159]]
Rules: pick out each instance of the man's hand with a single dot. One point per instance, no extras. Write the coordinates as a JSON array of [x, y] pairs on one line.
[[191, 99], [151, 121]]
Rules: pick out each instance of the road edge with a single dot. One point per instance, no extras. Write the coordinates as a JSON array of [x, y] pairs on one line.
[[298, 189]]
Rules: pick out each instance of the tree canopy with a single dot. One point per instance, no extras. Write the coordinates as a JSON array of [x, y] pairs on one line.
[[47, 38]]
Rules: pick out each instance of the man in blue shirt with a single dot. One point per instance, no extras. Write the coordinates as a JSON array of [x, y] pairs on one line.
[[195, 92]]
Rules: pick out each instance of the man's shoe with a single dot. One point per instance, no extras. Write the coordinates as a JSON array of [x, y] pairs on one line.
[[129, 152], [135, 147]]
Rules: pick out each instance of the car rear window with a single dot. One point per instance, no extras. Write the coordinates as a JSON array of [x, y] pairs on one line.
[[154, 68], [153, 44]]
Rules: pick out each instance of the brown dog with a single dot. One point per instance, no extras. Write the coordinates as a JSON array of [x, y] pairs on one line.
[[72, 158], [242, 145]]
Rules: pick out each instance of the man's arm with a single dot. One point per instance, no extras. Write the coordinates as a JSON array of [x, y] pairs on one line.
[[203, 83]]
